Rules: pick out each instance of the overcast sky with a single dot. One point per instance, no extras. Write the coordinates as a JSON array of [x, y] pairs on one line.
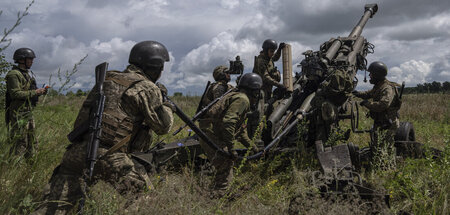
[[411, 37]]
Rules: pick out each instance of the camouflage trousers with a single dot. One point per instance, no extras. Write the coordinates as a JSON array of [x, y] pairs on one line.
[[22, 134], [382, 147], [223, 165], [255, 117], [67, 185]]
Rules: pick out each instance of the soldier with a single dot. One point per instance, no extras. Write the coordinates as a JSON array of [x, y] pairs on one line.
[[21, 97], [134, 107], [265, 67], [383, 109], [220, 87], [224, 123]]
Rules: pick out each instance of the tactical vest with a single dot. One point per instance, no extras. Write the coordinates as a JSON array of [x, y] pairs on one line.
[[209, 97], [217, 111], [391, 114], [117, 124]]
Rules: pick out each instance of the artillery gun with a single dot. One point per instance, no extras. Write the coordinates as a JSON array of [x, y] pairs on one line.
[[339, 164]]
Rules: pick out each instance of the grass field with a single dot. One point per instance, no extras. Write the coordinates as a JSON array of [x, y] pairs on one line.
[[420, 186]]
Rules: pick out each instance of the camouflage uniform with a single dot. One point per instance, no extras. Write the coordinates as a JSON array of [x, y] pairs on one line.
[[265, 67], [223, 124], [133, 107], [216, 90], [21, 98], [384, 111], [333, 92]]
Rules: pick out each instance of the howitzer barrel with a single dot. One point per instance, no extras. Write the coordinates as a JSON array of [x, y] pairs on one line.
[[356, 47], [278, 112], [306, 106], [370, 10]]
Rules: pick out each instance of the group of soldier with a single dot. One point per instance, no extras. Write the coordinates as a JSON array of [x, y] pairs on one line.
[[135, 107]]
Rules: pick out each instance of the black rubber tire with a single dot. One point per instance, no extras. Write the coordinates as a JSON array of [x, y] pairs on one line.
[[405, 132]]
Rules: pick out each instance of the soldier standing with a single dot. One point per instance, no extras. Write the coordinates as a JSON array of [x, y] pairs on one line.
[[383, 109], [220, 87], [21, 97], [224, 123], [134, 107], [264, 66]]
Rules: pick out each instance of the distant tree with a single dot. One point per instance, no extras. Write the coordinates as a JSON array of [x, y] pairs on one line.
[[420, 88], [70, 93], [52, 92], [427, 87], [178, 94], [446, 86], [80, 93], [435, 87]]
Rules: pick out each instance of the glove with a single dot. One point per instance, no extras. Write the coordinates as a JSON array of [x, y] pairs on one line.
[[169, 105], [282, 87], [162, 88], [363, 102], [282, 45]]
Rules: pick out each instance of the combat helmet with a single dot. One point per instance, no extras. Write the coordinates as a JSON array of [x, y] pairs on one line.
[[23, 53], [250, 81], [219, 73], [378, 70], [148, 54], [269, 44]]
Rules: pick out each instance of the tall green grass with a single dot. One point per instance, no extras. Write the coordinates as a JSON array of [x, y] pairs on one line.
[[259, 187]]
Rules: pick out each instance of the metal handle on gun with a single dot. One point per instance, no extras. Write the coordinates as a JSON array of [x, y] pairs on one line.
[[202, 111]]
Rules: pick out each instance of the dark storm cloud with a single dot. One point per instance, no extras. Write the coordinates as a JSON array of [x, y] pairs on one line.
[[412, 37]]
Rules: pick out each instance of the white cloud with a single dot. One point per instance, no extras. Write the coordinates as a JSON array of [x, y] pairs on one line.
[[202, 34], [229, 4], [412, 72], [197, 65]]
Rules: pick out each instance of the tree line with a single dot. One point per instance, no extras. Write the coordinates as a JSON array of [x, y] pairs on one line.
[[433, 87]]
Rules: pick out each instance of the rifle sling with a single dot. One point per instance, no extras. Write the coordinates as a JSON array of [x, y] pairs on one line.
[[118, 145]]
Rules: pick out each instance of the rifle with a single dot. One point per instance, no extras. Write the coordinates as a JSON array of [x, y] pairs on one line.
[[203, 111], [200, 104], [96, 118], [93, 125], [401, 90]]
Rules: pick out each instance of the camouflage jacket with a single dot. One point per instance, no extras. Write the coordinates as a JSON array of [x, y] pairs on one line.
[[265, 67], [133, 106], [228, 117], [20, 90], [216, 90], [385, 101]]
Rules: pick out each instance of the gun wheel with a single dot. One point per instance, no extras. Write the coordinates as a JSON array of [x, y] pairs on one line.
[[354, 119]]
